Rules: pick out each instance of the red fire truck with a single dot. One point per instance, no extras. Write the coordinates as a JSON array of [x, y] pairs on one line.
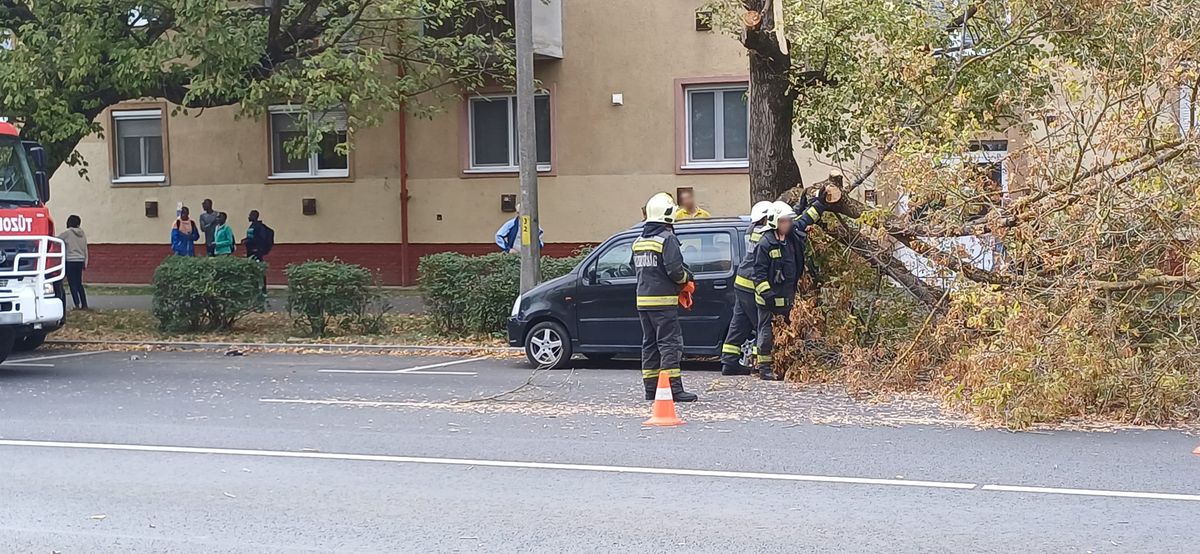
[[31, 257]]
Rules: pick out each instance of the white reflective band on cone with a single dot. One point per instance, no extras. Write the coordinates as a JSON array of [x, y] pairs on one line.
[[662, 394]]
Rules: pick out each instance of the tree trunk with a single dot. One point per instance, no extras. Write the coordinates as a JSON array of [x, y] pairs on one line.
[[771, 114], [773, 167]]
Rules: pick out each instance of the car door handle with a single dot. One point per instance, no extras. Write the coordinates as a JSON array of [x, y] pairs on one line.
[[720, 285]]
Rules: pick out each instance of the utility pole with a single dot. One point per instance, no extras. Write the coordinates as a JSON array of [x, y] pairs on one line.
[[531, 250]]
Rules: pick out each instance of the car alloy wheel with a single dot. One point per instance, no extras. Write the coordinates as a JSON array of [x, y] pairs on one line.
[[546, 347]]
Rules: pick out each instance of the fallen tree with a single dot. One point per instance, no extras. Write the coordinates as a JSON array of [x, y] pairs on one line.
[[1037, 198]]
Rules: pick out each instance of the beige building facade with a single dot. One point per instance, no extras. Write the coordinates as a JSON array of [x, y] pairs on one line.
[[633, 106]]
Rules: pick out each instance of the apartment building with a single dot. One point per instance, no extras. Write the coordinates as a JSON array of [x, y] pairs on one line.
[[630, 106]]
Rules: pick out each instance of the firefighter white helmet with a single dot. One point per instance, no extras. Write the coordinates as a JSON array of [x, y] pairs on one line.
[[783, 209], [779, 210], [661, 208], [759, 211]]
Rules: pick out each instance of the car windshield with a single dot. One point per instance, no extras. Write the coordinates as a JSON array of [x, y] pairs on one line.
[[16, 178]]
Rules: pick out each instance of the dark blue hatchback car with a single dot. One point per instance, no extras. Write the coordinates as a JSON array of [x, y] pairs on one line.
[[590, 311]]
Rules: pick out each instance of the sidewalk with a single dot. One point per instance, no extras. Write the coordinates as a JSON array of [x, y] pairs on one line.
[[406, 304]]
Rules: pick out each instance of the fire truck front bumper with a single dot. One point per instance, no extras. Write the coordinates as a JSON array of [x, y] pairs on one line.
[[29, 308]]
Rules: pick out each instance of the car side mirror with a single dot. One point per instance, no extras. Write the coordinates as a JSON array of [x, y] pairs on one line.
[[41, 182], [37, 154]]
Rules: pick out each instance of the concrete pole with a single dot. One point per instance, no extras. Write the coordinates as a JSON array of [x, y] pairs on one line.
[[526, 139]]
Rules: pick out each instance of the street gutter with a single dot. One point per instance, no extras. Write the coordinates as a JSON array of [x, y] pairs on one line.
[[296, 345]]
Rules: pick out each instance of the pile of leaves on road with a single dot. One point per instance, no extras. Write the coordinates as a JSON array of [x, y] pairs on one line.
[[1003, 356]]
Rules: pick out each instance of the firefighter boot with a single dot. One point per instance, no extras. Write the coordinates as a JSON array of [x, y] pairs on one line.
[[679, 394], [765, 373], [734, 369], [651, 384]]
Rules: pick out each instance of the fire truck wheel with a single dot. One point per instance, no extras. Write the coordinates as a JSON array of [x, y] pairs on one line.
[[7, 337], [29, 342]]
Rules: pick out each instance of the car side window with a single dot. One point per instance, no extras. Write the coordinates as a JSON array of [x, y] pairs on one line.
[[614, 262], [708, 252]]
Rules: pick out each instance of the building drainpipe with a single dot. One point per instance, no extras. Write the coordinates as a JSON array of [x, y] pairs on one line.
[[405, 247]]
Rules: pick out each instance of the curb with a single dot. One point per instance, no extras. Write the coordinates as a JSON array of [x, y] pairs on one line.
[[295, 345]]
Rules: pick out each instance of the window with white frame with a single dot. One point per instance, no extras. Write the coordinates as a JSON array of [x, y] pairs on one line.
[[717, 126], [138, 146], [287, 126], [493, 132]]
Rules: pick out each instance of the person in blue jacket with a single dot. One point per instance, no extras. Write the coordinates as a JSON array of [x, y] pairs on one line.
[[508, 236], [184, 234]]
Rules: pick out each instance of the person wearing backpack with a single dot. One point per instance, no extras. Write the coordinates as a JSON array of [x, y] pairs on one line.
[[184, 234], [259, 238]]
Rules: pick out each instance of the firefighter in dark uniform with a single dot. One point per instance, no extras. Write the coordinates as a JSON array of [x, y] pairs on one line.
[[778, 266], [745, 311], [661, 275]]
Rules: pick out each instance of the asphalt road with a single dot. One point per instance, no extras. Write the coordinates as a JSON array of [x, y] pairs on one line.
[[198, 452]]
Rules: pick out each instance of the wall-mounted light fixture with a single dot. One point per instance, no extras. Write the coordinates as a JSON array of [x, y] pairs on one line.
[[508, 203]]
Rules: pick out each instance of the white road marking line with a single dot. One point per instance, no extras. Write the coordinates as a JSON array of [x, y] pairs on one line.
[[23, 364], [490, 463], [406, 370], [440, 373], [60, 356], [1089, 492], [593, 468], [365, 403], [443, 364]]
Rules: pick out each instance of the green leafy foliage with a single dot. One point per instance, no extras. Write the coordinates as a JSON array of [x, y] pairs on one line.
[[1035, 154], [321, 293], [475, 294], [207, 294], [72, 59]]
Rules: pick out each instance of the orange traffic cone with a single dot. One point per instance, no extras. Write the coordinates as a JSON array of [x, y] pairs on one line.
[[663, 413]]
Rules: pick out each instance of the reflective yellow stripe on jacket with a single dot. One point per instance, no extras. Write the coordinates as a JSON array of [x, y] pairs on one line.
[[743, 282], [657, 301], [647, 245], [762, 287]]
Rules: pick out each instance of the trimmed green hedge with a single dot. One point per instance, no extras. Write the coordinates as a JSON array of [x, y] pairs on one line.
[[207, 294], [475, 294], [321, 293]]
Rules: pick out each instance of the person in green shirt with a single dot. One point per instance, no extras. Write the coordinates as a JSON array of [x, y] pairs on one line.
[[223, 237]]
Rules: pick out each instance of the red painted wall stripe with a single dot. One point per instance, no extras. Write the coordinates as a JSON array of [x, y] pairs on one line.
[[135, 263]]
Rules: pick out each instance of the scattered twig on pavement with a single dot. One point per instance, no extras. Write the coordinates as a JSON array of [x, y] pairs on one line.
[[528, 383]]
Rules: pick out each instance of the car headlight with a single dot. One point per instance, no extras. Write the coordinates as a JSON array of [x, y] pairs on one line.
[[516, 307], [48, 289]]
